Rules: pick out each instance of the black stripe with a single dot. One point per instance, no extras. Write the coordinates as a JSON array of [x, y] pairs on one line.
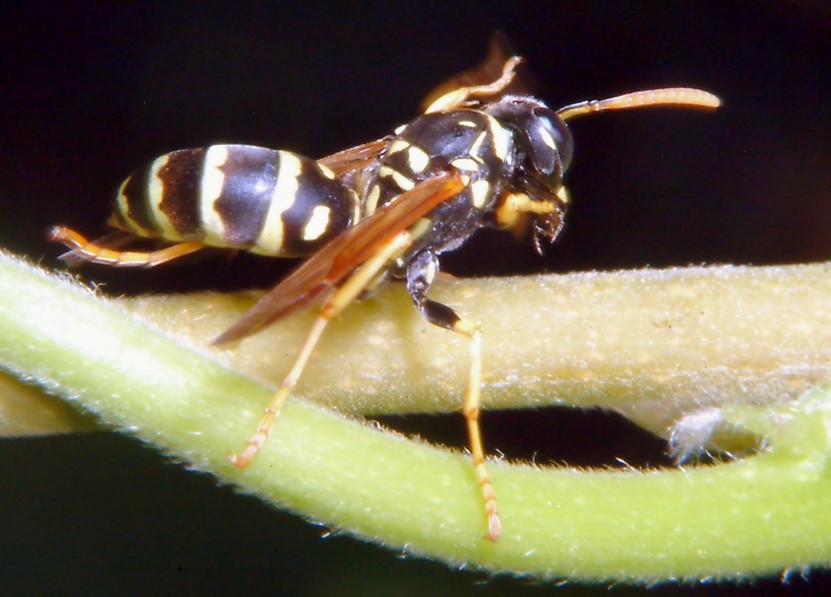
[[250, 177], [181, 177]]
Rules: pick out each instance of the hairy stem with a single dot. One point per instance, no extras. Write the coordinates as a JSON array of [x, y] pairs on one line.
[[759, 515]]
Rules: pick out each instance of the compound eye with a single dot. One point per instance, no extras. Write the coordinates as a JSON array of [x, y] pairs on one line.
[[551, 133]]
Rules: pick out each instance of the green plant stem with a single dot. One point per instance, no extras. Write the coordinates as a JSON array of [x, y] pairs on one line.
[[759, 515], [652, 344], [25, 411]]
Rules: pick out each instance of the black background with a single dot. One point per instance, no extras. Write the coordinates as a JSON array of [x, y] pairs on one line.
[[91, 91]]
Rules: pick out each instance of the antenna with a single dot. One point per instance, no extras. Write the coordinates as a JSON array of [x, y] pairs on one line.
[[684, 97]]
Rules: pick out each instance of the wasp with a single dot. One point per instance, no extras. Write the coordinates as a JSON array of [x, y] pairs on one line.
[[484, 153]]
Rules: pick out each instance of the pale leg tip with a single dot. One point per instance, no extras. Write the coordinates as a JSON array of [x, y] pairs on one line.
[[239, 461], [494, 527], [55, 234]]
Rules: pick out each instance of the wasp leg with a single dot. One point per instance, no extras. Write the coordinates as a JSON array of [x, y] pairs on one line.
[[512, 205], [514, 210], [93, 252], [334, 304], [420, 274]]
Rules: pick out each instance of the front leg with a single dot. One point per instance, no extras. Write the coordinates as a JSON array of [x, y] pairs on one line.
[[421, 272]]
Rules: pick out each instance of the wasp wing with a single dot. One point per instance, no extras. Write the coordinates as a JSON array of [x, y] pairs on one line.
[[355, 157], [487, 71], [343, 254]]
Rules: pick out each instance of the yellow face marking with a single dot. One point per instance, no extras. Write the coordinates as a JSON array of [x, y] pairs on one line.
[[466, 164], [501, 138], [547, 138], [285, 191], [467, 123], [404, 183], [479, 192], [399, 129], [417, 158], [562, 193], [371, 203], [317, 224], [213, 180]]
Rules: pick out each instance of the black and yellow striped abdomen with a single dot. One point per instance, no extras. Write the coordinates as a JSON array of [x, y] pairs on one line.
[[237, 196]]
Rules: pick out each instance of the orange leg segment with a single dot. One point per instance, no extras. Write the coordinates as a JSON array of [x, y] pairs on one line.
[[93, 252], [337, 302], [471, 409]]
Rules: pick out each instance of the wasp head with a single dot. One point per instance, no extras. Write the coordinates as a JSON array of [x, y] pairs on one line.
[[544, 149]]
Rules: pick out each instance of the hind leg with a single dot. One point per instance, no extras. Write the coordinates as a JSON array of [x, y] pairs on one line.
[[94, 252], [420, 274]]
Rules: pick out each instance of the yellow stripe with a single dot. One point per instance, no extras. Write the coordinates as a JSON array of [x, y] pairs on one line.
[[271, 238], [155, 194], [371, 203], [124, 211], [501, 138], [213, 179]]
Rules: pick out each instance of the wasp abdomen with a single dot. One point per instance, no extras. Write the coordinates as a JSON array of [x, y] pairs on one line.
[[239, 196]]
